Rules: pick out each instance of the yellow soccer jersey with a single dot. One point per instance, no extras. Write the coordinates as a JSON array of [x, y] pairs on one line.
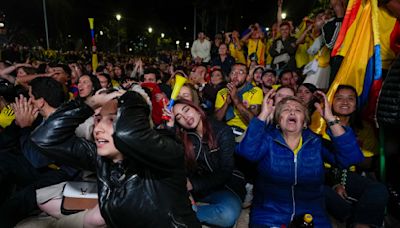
[[252, 97]]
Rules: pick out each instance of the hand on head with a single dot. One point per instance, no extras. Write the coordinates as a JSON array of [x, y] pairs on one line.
[[101, 97], [324, 107]]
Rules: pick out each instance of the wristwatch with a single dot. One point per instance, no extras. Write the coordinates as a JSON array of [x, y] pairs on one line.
[[333, 122]]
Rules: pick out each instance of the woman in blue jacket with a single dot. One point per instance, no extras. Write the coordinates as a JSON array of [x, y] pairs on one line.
[[290, 161]]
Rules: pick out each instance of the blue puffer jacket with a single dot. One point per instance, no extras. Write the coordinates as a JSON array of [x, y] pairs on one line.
[[287, 185]]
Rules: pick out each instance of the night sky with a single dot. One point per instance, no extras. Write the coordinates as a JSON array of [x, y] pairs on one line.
[[69, 17]]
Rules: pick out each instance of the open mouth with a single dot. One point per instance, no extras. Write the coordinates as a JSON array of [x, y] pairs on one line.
[[292, 120], [101, 141]]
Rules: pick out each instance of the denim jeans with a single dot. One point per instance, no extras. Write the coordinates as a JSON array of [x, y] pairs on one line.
[[371, 197], [222, 210]]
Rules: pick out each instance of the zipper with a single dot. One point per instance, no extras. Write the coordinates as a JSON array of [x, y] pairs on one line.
[[294, 184], [105, 207]]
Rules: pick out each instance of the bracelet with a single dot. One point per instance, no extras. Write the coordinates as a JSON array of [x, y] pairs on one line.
[[333, 122]]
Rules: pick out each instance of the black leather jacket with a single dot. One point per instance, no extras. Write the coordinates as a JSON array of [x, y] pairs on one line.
[[388, 112], [215, 168], [148, 189]]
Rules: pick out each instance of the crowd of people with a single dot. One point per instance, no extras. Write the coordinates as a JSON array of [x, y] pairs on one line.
[[238, 135]]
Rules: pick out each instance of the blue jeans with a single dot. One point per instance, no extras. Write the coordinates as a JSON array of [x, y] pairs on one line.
[[222, 210]]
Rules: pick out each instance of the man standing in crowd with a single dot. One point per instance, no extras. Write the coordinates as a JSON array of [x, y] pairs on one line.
[[201, 49], [283, 49]]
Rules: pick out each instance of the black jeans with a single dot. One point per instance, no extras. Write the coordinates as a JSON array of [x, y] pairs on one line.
[[372, 197], [16, 170]]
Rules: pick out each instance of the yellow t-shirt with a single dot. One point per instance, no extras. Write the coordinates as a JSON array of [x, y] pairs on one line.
[[237, 54], [252, 97], [268, 45], [296, 150], [253, 46], [301, 56]]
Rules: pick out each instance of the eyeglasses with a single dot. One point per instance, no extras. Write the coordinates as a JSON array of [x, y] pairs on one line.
[[241, 72]]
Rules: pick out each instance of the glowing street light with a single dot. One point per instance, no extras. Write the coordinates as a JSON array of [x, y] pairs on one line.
[[101, 33], [150, 29], [187, 45], [118, 17], [2, 25], [162, 35], [267, 29], [283, 15], [177, 42]]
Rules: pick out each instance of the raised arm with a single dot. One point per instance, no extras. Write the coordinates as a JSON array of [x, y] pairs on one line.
[[136, 139], [346, 150], [56, 137], [253, 144]]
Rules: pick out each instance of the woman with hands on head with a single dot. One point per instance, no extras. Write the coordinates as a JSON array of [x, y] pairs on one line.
[[140, 171], [211, 175], [290, 161]]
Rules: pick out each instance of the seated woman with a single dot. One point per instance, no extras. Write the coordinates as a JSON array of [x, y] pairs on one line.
[[217, 82], [211, 175], [359, 200], [290, 161], [140, 171]]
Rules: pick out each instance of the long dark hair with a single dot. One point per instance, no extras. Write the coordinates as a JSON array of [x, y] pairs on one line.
[[355, 120], [208, 135], [95, 84]]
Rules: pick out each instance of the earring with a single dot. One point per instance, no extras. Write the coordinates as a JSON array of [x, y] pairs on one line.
[[278, 127]]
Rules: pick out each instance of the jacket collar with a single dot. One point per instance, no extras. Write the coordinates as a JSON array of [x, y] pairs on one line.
[[307, 135]]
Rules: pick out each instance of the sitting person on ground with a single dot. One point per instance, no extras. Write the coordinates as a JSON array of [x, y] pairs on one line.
[[28, 170], [359, 200], [140, 171], [211, 175], [290, 161]]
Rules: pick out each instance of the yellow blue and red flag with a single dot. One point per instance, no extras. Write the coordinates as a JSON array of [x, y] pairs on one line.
[[364, 42]]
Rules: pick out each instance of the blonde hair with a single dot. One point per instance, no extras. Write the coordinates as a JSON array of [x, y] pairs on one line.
[[279, 107]]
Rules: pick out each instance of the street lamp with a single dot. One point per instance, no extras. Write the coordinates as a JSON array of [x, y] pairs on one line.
[[177, 44], [101, 33], [150, 29], [118, 17], [283, 15], [1, 25], [162, 35]]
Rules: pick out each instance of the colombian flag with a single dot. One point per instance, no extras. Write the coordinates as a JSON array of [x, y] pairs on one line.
[[364, 42]]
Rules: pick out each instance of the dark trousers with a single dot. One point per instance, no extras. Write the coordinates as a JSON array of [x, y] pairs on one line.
[[372, 197], [17, 173]]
